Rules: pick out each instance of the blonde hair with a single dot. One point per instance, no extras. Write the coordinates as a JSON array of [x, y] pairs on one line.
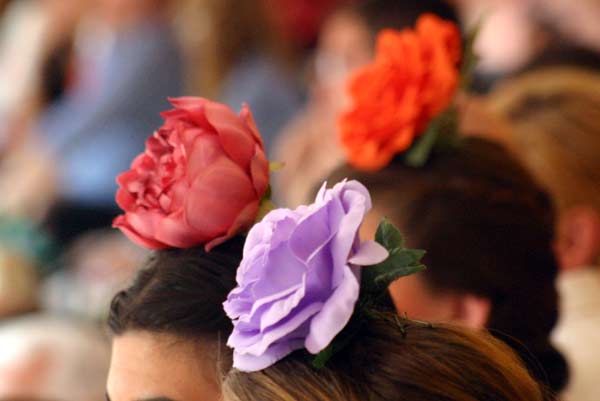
[[554, 114], [395, 359]]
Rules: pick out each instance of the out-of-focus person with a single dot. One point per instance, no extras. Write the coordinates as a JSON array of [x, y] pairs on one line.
[[486, 224], [18, 284], [517, 36], [35, 43], [21, 41], [507, 39], [256, 53], [26, 255], [95, 267], [554, 115], [45, 358], [568, 34], [308, 145], [127, 63], [504, 280]]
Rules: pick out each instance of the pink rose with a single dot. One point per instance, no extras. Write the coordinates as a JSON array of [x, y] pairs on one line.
[[200, 180]]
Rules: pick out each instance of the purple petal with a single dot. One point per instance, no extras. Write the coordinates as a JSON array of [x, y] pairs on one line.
[[369, 253], [342, 243], [280, 306], [316, 230], [253, 363], [281, 330], [334, 315]]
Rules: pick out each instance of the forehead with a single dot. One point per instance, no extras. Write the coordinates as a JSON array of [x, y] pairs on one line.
[[147, 365]]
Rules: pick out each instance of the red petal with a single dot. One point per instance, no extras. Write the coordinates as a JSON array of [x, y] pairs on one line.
[[127, 177], [204, 152], [125, 200], [144, 222], [216, 198], [235, 137], [121, 223], [259, 169], [246, 115], [194, 107], [242, 222], [174, 231]]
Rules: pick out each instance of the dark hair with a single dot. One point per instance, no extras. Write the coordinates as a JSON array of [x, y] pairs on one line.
[[398, 14], [392, 359], [180, 292], [487, 229]]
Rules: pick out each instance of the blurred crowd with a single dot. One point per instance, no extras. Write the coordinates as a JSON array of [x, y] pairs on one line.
[[83, 83]]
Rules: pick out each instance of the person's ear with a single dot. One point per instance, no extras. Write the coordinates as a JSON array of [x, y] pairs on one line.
[[577, 243], [472, 311]]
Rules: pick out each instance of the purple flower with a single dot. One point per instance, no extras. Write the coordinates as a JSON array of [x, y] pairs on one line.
[[299, 278]]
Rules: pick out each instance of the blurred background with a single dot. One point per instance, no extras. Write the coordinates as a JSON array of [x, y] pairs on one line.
[[82, 83]]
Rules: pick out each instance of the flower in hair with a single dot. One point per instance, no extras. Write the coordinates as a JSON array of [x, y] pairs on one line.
[[300, 277], [199, 181], [413, 78]]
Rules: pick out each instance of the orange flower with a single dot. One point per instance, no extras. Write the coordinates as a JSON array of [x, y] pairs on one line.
[[413, 78]]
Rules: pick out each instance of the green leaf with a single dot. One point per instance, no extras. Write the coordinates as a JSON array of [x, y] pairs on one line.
[[441, 133], [276, 166], [388, 277], [401, 259], [400, 262], [342, 340], [268, 193], [321, 359], [448, 127], [266, 205], [419, 153], [388, 236], [470, 58]]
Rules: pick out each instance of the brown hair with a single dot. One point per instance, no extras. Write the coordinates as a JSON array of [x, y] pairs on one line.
[[181, 292], [487, 229], [393, 359], [554, 114]]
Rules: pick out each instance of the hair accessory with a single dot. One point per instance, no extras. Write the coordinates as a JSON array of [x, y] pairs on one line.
[[401, 102], [200, 180], [302, 283]]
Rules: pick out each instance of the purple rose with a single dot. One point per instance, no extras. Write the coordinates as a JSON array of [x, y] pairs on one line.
[[299, 278]]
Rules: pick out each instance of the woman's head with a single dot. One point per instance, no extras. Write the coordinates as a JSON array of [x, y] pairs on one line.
[[487, 229], [198, 182], [169, 326], [395, 359], [553, 117]]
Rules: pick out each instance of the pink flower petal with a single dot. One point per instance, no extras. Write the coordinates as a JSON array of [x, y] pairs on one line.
[[125, 200], [216, 198], [242, 222], [143, 222], [246, 115], [121, 223], [126, 177], [174, 231], [194, 107], [234, 135], [259, 170], [205, 151]]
